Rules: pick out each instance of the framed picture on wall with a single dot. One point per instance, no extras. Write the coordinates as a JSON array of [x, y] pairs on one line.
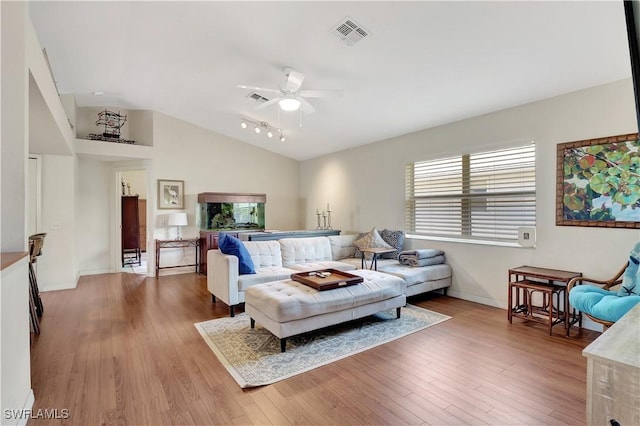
[[170, 194], [598, 182]]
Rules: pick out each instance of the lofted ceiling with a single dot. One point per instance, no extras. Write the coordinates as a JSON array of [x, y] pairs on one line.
[[423, 63]]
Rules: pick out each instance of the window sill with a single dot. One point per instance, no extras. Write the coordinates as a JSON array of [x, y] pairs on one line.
[[468, 241]]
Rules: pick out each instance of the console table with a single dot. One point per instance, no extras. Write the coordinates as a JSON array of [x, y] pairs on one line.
[[613, 373], [189, 242], [525, 281]]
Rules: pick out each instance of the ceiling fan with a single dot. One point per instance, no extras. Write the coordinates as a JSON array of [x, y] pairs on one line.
[[290, 97]]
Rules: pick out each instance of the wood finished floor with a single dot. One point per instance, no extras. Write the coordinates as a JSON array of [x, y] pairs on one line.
[[122, 349]]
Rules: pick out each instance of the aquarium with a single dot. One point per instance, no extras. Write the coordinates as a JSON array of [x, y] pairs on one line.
[[231, 216]]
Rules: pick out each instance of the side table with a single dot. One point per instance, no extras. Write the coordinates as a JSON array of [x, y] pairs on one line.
[[375, 252], [189, 242], [525, 281]]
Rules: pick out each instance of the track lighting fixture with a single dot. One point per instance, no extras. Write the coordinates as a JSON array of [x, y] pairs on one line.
[[259, 126]]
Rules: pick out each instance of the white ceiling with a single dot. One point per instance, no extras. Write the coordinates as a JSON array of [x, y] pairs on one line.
[[424, 63]]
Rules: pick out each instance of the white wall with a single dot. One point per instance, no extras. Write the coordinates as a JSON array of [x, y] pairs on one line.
[[206, 162], [57, 266], [137, 179], [365, 186], [15, 374], [94, 215], [210, 162]]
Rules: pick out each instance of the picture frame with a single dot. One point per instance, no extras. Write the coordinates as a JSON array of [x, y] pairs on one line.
[[598, 182], [170, 194]]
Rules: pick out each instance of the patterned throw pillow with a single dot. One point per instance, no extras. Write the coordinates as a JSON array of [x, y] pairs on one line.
[[371, 240], [394, 239], [631, 279]]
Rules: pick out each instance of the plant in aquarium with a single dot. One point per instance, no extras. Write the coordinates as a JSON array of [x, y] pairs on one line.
[[602, 182]]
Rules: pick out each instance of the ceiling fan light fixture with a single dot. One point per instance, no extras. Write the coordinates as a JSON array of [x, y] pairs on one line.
[[282, 139], [289, 104], [256, 129], [269, 134], [243, 124]]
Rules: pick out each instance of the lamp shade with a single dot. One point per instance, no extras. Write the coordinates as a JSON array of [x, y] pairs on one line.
[[177, 219]]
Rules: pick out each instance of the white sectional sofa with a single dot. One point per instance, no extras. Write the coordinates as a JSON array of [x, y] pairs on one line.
[[277, 260]]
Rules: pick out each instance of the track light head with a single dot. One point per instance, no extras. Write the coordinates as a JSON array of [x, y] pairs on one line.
[[259, 126]]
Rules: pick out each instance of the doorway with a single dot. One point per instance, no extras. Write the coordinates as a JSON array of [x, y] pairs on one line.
[[132, 213]]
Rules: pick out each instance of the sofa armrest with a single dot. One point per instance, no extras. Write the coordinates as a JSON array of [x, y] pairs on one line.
[[222, 276]]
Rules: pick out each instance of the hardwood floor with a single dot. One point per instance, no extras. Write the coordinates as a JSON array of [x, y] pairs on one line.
[[122, 349]]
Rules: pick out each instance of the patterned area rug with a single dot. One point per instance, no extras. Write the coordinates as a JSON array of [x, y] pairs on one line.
[[253, 357]]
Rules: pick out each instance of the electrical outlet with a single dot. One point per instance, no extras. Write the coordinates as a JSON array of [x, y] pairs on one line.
[[55, 226]]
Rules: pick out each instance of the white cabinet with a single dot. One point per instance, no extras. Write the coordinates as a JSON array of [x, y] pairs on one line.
[[613, 373]]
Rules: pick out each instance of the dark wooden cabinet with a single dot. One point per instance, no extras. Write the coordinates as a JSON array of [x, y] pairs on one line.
[[130, 231], [209, 241], [142, 219]]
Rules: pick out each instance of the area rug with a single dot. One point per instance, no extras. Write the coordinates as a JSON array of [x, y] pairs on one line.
[[253, 357]]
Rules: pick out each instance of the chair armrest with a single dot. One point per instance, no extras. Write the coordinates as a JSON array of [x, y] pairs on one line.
[[222, 276], [606, 284]]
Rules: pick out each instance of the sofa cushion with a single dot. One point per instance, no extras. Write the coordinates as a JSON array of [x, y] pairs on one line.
[[395, 239], [342, 246], [304, 250], [264, 253], [264, 275], [414, 275], [329, 264], [228, 244]]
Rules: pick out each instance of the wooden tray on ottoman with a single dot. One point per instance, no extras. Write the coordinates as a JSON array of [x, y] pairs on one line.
[[335, 280]]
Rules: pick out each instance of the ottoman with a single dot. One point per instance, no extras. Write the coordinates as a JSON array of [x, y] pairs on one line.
[[287, 308]]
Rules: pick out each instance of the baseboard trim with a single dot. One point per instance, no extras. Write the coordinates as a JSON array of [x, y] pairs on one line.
[[95, 272], [58, 287], [478, 299]]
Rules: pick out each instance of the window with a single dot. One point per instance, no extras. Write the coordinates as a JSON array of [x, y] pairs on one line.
[[484, 196]]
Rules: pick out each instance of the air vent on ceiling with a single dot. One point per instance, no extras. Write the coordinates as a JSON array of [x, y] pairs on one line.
[[349, 31], [258, 98]]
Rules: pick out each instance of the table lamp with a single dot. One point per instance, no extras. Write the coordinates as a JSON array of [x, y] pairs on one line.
[[177, 220]]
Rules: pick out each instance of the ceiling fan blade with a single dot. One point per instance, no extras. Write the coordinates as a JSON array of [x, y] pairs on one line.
[[306, 106], [260, 89], [294, 80], [334, 93], [267, 104]]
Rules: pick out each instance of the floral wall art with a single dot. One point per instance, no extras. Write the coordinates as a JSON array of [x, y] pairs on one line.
[[598, 182]]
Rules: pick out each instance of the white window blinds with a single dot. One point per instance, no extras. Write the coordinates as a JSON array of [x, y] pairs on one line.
[[483, 196]]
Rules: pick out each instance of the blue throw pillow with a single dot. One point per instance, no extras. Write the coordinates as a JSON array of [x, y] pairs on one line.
[[228, 244]]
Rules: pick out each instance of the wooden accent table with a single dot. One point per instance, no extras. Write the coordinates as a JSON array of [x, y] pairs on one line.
[[188, 242], [525, 281]]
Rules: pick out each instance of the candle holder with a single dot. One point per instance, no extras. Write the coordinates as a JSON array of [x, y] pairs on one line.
[[328, 226], [324, 219], [318, 214]]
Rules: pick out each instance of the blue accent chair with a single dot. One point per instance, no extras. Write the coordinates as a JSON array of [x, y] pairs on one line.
[[596, 299]]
